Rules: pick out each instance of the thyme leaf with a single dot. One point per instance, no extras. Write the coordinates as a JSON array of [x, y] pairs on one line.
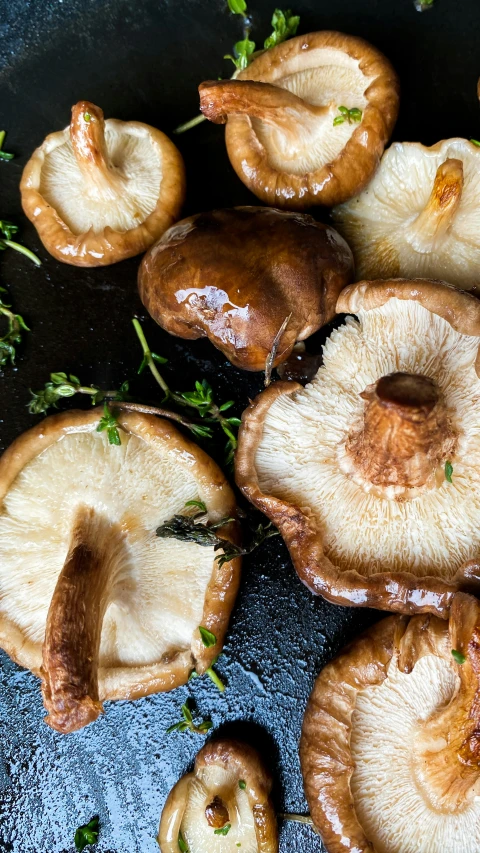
[[458, 657], [109, 423], [7, 230], [187, 722], [4, 155], [285, 25], [182, 845], [448, 472], [208, 639], [347, 115], [87, 834], [13, 336], [224, 830]]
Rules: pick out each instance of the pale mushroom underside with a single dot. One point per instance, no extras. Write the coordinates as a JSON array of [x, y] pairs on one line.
[[134, 158], [159, 592], [214, 780], [299, 457], [381, 223], [390, 802]]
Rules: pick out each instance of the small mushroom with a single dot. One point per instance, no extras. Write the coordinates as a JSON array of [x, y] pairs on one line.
[[307, 122], [242, 276], [371, 472], [419, 215], [390, 748], [91, 599], [102, 191], [223, 806]]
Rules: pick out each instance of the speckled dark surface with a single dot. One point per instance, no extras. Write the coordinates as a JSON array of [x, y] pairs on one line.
[[143, 60]]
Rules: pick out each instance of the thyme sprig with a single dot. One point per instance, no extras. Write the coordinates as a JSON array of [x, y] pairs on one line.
[[8, 230], [4, 155], [347, 115], [13, 336], [87, 834], [187, 723], [109, 424]]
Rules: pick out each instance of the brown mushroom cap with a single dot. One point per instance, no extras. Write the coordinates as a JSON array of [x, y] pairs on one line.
[[102, 191], [355, 468], [390, 741], [229, 787], [280, 112], [236, 275], [90, 598]]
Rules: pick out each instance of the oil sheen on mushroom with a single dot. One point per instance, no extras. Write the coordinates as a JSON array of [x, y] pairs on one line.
[[371, 471], [400, 713]]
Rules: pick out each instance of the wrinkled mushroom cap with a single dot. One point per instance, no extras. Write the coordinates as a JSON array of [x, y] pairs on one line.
[[235, 276], [284, 145], [420, 215], [389, 747], [357, 481], [66, 495], [102, 191], [229, 787]]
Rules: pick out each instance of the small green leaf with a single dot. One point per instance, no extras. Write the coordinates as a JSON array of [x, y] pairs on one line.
[[87, 834], [458, 657], [159, 358], [475, 142], [58, 378], [74, 379], [87, 117], [109, 423], [198, 504], [338, 120], [204, 726], [187, 712], [448, 472], [208, 639], [224, 830], [182, 845], [237, 7], [242, 784], [284, 26], [346, 114]]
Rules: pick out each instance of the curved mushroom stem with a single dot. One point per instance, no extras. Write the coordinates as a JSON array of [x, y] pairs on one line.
[[447, 749], [406, 433], [217, 813], [74, 623], [436, 218], [87, 134], [273, 105]]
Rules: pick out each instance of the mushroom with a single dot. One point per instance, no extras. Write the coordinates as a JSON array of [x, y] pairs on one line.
[[307, 122], [222, 806], [371, 472], [91, 599], [102, 191], [419, 215], [390, 748], [241, 277]]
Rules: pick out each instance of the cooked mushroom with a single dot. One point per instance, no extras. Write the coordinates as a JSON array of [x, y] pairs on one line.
[[419, 215], [308, 120], [222, 806], [390, 749], [237, 276], [102, 191], [371, 472], [90, 598]]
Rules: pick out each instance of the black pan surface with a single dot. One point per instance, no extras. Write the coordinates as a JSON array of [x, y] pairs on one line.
[[143, 59]]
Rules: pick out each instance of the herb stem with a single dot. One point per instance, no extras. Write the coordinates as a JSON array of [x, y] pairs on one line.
[[299, 818], [23, 250], [151, 410], [215, 678], [149, 360], [187, 125]]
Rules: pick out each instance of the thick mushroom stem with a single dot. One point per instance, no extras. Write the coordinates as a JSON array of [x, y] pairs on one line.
[[74, 623], [446, 750], [436, 218], [217, 813], [87, 135], [405, 436], [293, 117]]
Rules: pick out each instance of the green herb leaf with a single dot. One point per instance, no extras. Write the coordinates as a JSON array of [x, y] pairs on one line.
[[109, 422], [3, 154], [242, 53], [458, 657], [284, 26], [348, 115], [423, 5], [475, 142], [188, 722], [214, 676], [87, 834], [13, 335], [237, 7], [208, 639], [448, 472], [87, 117], [224, 830], [182, 845], [242, 784], [198, 504]]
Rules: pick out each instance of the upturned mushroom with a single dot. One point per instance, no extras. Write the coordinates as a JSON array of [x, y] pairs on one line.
[[419, 215], [390, 748], [371, 472], [307, 122], [224, 805], [91, 600], [102, 191], [252, 280]]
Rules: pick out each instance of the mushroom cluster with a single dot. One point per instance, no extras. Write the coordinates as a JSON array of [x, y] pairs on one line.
[[390, 748], [90, 598], [371, 471], [102, 191], [222, 806], [250, 279], [308, 120]]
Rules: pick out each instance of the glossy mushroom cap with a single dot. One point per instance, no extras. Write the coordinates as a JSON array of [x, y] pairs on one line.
[[236, 276], [102, 191], [90, 598], [390, 742], [371, 471], [223, 806], [419, 215], [307, 122]]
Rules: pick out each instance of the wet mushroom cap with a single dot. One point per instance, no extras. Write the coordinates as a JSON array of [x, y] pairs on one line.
[[371, 471], [419, 216], [390, 741], [286, 137], [90, 597], [223, 805], [102, 191], [236, 275]]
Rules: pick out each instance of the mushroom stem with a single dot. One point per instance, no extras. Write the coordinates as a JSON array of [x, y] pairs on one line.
[[217, 814], [271, 104], [74, 623], [87, 134], [405, 435], [447, 749], [436, 218]]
